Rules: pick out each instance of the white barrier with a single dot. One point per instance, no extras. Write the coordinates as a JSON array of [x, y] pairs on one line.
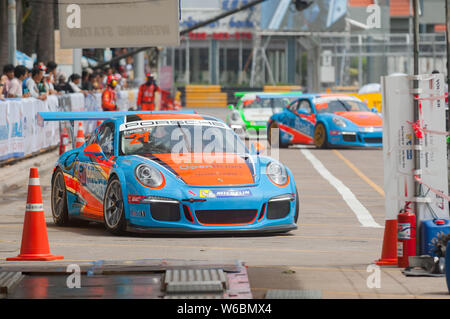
[[22, 135], [398, 149]]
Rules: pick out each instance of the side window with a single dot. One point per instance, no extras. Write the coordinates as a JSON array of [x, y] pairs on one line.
[[106, 139], [294, 106], [305, 106]]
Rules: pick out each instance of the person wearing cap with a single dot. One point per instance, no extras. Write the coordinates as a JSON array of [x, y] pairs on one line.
[[146, 94], [109, 95]]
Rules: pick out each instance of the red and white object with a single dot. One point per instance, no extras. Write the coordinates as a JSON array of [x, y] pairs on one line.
[[64, 142], [406, 237]]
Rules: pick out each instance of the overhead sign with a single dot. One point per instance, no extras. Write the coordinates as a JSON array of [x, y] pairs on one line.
[[118, 23]]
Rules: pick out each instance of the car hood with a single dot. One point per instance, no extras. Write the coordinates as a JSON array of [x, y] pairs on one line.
[[212, 169], [362, 118], [259, 114]]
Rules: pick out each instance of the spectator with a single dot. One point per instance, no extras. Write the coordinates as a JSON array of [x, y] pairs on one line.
[[52, 68], [61, 84], [86, 85], [24, 82], [2, 97], [51, 80], [37, 75], [16, 88], [108, 71], [8, 75], [73, 84]]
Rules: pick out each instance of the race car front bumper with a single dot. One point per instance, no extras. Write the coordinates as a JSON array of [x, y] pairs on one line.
[[187, 231]]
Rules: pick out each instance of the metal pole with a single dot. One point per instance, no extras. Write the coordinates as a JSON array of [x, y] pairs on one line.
[[416, 117], [139, 68], [12, 37], [77, 53]]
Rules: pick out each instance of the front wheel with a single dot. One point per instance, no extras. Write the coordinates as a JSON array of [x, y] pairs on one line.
[[113, 207]]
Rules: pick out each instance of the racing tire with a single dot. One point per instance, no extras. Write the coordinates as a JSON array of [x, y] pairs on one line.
[[60, 211], [320, 136], [113, 208], [274, 125]]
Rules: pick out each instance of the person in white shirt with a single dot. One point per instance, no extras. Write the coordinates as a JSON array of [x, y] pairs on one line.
[[16, 87], [32, 84]]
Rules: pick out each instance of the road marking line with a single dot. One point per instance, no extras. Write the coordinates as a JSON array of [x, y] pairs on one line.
[[377, 188], [361, 212]]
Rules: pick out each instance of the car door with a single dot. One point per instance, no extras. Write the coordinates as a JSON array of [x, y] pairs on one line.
[[94, 171], [304, 122]]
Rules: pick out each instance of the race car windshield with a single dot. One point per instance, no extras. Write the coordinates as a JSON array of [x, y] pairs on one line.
[[265, 103], [339, 105], [180, 138]]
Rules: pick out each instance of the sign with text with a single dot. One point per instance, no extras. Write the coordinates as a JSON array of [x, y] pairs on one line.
[[118, 23]]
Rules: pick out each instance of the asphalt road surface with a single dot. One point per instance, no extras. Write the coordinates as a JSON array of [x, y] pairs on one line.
[[340, 230]]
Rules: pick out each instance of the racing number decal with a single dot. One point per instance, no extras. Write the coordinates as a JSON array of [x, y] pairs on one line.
[[137, 136]]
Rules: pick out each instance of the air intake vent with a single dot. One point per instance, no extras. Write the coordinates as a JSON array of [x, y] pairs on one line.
[[226, 216]]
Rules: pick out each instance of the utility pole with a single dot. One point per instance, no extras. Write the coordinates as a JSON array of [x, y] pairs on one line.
[[12, 37]]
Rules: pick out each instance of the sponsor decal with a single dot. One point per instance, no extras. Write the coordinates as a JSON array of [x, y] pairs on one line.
[[224, 193], [135, 199], [139, 213], [190, 122]]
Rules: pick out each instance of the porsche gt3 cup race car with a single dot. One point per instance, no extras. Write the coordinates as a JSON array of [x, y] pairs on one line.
[[327, 120], [250, 115], [170, 172]]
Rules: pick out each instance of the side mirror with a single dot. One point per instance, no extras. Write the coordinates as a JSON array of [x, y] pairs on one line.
[[257, 147], [374, 110], [94, 150], [231, 107]]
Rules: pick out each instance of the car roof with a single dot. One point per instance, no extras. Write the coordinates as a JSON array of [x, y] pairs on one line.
[[325, 95], [168, 116]]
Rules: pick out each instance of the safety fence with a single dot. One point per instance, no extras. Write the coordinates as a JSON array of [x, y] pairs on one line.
[[22, 133]]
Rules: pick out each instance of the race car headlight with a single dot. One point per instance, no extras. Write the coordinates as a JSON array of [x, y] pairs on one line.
[[277, 173], [339, 122], [148, 175]]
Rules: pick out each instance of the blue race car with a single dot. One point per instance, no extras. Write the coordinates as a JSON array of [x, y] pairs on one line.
[[170, 172], [327, 120]]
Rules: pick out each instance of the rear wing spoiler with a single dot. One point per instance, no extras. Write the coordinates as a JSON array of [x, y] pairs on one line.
[[286, 95], [86, 116], [241, 94], [95, 116]]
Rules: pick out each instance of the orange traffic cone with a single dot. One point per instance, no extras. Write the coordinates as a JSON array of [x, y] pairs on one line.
[[34, 236], [80, 136], [389, 251]]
